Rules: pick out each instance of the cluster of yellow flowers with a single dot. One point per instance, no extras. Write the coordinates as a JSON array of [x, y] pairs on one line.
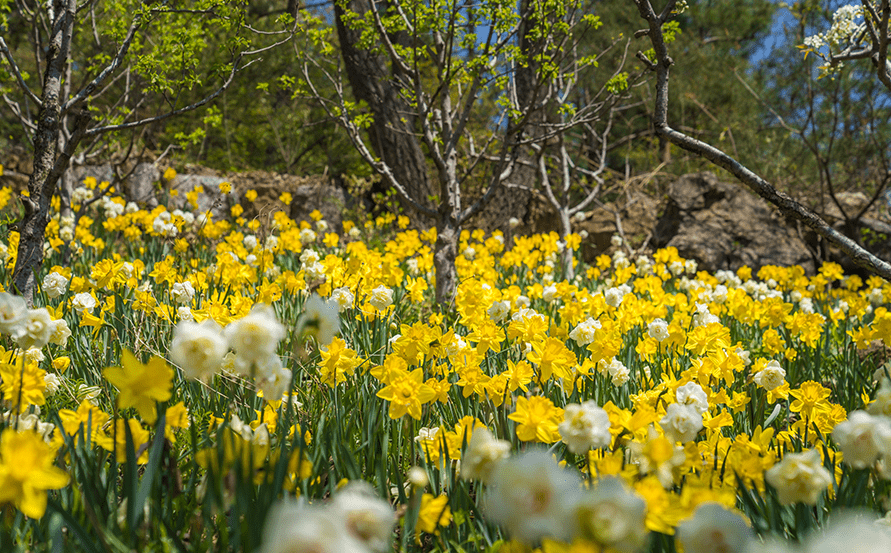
[[665, 389]]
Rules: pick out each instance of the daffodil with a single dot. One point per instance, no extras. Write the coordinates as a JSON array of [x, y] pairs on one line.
[[434, 513], [538, 419], [141, 385], [406, 393], [27, 471]]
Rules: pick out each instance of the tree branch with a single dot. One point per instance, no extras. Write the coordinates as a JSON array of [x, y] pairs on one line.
[[757, 184], [18, 75], [196, 105], [115, 63]]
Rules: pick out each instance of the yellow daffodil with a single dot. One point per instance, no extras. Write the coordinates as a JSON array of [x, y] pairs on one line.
[[141, 385], [27, 471]]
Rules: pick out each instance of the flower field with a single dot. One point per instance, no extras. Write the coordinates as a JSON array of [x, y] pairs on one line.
[[195, 383]]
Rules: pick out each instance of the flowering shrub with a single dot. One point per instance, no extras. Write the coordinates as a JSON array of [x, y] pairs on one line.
[[193, 383]]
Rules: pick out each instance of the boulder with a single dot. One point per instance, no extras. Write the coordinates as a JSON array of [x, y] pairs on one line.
[[102, 173], [211, 198], [307, 194], [637, 216], [723, 226], [140, 185]]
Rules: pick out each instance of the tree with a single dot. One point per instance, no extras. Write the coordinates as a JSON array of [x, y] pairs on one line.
[[708, 102], [841, 109], [449, 95], [103, 68], [660, 62]]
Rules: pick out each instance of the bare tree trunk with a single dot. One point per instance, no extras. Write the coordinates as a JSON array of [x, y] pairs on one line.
[[528, 91], [566, 256], [392, 133], [445, 252], [48, 166]]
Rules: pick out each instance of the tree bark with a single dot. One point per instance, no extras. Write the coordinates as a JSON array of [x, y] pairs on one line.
[[445, 252], [392, 133], [47, 165]]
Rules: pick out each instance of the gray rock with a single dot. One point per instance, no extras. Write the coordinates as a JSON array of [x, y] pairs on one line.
[[638, 217], [723, 226], [102, 173], [211, 198], [322, 195], [140, 186]]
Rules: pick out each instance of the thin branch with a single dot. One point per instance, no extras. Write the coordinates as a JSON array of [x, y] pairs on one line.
[[354, 134], [115, 63], [18, 75], [196, 105], [760, 186]]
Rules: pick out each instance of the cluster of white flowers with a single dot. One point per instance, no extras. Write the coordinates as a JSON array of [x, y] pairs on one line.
[[658, 330], [533, 498], [163, 225], [585, 427], [844, 25], [310, 264], [355, 520], [585, 332], [644, 265], [619, 373], [29, 422], [202, 350], [54, 285], [112, 207], [728, 277], [66, 228], [620, 260], [199, 349], [703, 316], [483, 454], [771, 376], [499, 310], [30, 328], [80, 195]]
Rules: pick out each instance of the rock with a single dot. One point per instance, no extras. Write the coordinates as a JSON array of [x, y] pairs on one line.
[[140, 185], [102, 173], [507, 203], [210, 198], [638, 217], [307, 194], [723, 226], [318, 193]]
